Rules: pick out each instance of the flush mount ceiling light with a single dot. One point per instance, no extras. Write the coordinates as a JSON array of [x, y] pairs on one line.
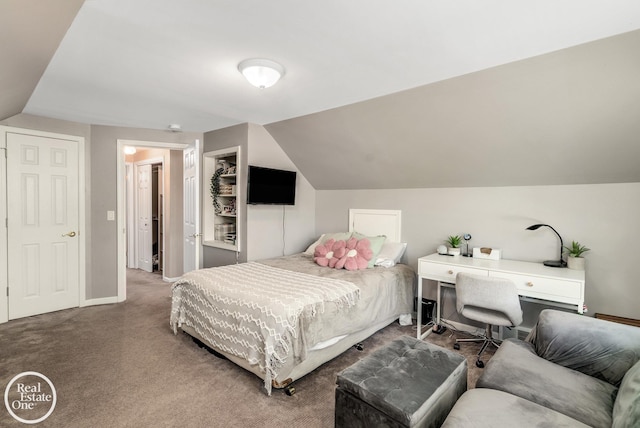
[[129, 150], [174, 127], [261, 73]]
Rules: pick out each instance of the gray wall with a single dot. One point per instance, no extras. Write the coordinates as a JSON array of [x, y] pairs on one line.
[[223, 139], [568, 117], [103, 190], [276, 230], [604, 217], [31, 33]]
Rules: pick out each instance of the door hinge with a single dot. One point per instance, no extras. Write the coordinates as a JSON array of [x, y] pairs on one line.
[[7, 291]]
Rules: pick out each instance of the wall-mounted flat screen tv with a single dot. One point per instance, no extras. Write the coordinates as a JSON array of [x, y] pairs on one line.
[[271, 186]]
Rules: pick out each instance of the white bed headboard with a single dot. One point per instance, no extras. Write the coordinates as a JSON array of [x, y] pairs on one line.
[[376, 222]]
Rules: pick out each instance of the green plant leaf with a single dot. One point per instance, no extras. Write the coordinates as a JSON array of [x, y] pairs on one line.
[[454, 241], [575, 249]]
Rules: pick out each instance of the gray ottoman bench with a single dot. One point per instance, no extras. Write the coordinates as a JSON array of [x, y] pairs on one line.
[[407, 383]]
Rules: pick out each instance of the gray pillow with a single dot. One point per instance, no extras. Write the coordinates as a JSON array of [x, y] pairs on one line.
[[626, 409]]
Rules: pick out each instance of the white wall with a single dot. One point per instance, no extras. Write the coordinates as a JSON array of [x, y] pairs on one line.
[[604, 217], [268, 236]]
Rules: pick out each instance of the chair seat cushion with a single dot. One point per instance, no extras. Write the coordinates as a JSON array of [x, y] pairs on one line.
[[486, 316], [515, 368], [489, 408]]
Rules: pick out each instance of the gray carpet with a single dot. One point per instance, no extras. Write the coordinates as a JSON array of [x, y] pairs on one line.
[[121, 366]]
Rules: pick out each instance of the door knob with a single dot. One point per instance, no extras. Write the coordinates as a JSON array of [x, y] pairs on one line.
[[70, 234]]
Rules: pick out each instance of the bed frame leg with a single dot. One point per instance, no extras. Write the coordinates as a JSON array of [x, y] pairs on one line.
[[208, 348], [290, 390]]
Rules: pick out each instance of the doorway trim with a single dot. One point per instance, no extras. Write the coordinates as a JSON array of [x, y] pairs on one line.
[[121, 204], [83, 233]]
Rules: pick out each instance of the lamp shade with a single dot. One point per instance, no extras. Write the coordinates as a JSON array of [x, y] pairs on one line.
[[261, 73]]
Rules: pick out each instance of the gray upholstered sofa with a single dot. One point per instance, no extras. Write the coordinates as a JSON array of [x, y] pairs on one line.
[[572, 370]]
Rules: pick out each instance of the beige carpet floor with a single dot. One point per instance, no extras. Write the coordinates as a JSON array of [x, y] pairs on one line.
[[121, 365]]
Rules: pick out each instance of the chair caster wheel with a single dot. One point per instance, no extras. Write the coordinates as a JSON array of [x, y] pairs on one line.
[[359, 346], [456, 346], [479, 364], [290, 390]]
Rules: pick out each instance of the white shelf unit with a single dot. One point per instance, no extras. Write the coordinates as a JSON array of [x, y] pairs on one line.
[[222, 229]]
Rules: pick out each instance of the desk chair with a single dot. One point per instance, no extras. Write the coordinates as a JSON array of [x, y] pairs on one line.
[[490, 300]]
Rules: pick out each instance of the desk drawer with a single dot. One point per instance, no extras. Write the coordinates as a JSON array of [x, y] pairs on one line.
[[445, 273], [544, 288]]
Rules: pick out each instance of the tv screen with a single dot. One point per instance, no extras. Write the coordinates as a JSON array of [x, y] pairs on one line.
[[271, 186]]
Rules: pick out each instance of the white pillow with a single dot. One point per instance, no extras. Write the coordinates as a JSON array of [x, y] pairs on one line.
[[341, 236], [391, 253], [312, 248]]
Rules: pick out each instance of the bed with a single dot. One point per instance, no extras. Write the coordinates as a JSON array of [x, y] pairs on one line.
[[283, 317]]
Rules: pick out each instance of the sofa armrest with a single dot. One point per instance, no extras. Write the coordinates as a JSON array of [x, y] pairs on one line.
[[598, 348]]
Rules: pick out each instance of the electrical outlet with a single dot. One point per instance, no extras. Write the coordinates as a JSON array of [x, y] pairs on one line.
[[111, 215]]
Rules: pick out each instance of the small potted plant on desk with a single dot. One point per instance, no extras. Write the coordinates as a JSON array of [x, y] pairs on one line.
[[454, 244], [575, 260]]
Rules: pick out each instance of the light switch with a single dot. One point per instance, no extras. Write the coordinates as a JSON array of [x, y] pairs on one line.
[[111, 215]]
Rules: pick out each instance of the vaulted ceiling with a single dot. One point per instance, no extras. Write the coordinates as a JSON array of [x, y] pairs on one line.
[[431, 93]]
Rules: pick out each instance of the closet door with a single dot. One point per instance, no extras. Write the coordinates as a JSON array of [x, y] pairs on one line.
[[43, 219], [4, 301], [144, 226], [191, 210]]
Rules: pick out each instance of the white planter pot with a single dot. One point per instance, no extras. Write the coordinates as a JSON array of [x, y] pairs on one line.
[[454, 251], [575, 263]]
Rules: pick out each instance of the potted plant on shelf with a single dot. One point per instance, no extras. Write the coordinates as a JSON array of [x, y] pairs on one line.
[[454, 244], [575, 260]]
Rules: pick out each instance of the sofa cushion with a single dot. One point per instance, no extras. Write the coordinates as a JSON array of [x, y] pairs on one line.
[[626, 410], [595, 347], [515, 368], [479, 408]]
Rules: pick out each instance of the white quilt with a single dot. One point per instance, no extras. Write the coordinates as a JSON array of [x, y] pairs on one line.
[[255, 311]]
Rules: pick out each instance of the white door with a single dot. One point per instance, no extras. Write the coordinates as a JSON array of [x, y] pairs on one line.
[[131, 217], [145, 238], [191, 210], [43, 218], [4, 300]]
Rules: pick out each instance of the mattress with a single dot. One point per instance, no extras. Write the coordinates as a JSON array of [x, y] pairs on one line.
[[282, 326]]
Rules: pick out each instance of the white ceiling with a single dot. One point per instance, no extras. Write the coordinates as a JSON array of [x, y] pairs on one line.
[[151, 63]]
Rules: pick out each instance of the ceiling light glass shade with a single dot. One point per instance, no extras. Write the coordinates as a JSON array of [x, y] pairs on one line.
[[261, 73], [128, 150]]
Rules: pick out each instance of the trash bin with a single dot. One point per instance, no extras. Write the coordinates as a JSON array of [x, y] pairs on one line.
[[428, 307]]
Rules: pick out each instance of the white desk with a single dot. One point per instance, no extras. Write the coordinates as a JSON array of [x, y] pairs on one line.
[[552, 286]]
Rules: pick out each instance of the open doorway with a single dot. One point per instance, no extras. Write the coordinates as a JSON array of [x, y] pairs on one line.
[[145, 183], [169, 237]]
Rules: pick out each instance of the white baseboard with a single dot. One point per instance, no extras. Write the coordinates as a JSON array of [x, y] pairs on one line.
[[100, 301], [167, 279]]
